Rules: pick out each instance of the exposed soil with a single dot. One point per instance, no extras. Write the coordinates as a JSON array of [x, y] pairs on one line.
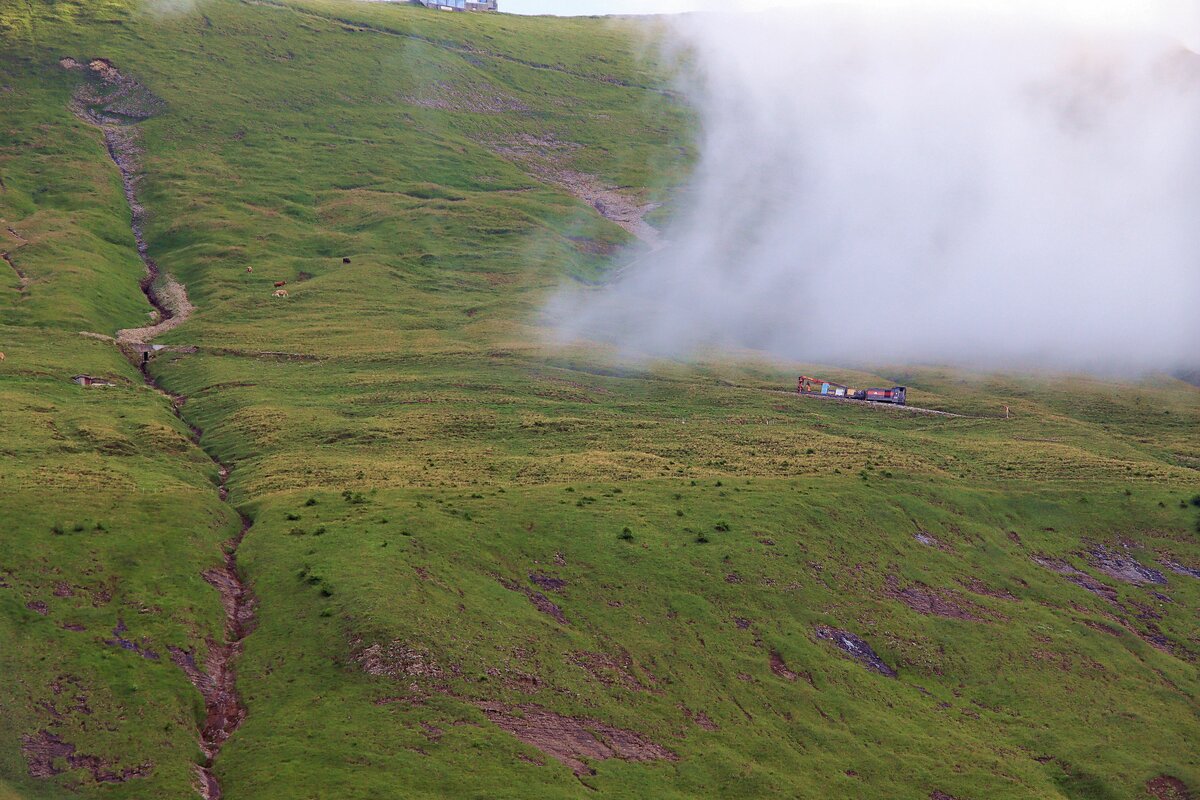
[[540, 601], [934, 602], [119, 640], [780, 668], [701, 719], [478, 98], [976, 586], [44, 751], [217, 681], [397, 660], [1168, 787], [573, 739], [22, 280], [547, 582], [114, 103], [546, 158], [856, 648], [609, 670]]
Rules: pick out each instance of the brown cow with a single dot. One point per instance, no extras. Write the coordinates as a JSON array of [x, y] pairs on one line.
[[249, 269], [280, 283]]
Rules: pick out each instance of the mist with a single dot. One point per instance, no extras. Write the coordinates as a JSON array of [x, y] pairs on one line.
[[926, 184]]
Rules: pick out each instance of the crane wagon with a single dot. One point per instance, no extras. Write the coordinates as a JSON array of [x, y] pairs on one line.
[[823, 388]]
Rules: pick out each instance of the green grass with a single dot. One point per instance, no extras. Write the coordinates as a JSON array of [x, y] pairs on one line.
[[474, 455]]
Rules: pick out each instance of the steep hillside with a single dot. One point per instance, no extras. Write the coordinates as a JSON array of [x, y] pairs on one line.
[[375, 538]]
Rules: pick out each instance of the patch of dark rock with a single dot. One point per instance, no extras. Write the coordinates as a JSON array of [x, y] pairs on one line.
[[38, 607], [431, 732], [928, 540], [741, 622], [63, 589], [547, 582], [45, 753], [1168, 787], [856, 648], [937, 794], [73, 626], [1180, 569], [571, 740], [119, 640], [1123, 567], [1077, 577]]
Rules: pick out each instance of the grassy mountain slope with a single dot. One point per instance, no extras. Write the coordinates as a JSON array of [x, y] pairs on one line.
[[469, 548]]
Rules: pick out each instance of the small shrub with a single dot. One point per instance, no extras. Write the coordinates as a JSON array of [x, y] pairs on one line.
[[320, 531], [810, 452], [312, 501], [721, 526], [701, 539], [718, 483], [57, 529], [679, 512], [626, 534], [293, 517], [78, 527], [297, 532], [1196, 500]]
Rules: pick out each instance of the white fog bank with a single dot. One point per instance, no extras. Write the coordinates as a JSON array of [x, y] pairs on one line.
[[925, 184]]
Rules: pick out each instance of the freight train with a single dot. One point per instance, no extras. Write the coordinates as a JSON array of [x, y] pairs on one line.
[[824, 388]]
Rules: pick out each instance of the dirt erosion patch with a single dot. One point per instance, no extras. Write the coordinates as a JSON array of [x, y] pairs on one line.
[[1168, 787], [856, 648], [571, 740], [547, 157], [45, 752], [115, 103], [540, 601], [934, 602]]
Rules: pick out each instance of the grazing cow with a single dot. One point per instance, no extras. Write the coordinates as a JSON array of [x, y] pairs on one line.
[[280, 293], [249, 269], [280, 283], [1, 356], [345, 261]]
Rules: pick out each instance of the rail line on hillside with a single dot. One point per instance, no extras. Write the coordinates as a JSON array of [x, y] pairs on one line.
[[215, 679], [462, 49]]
